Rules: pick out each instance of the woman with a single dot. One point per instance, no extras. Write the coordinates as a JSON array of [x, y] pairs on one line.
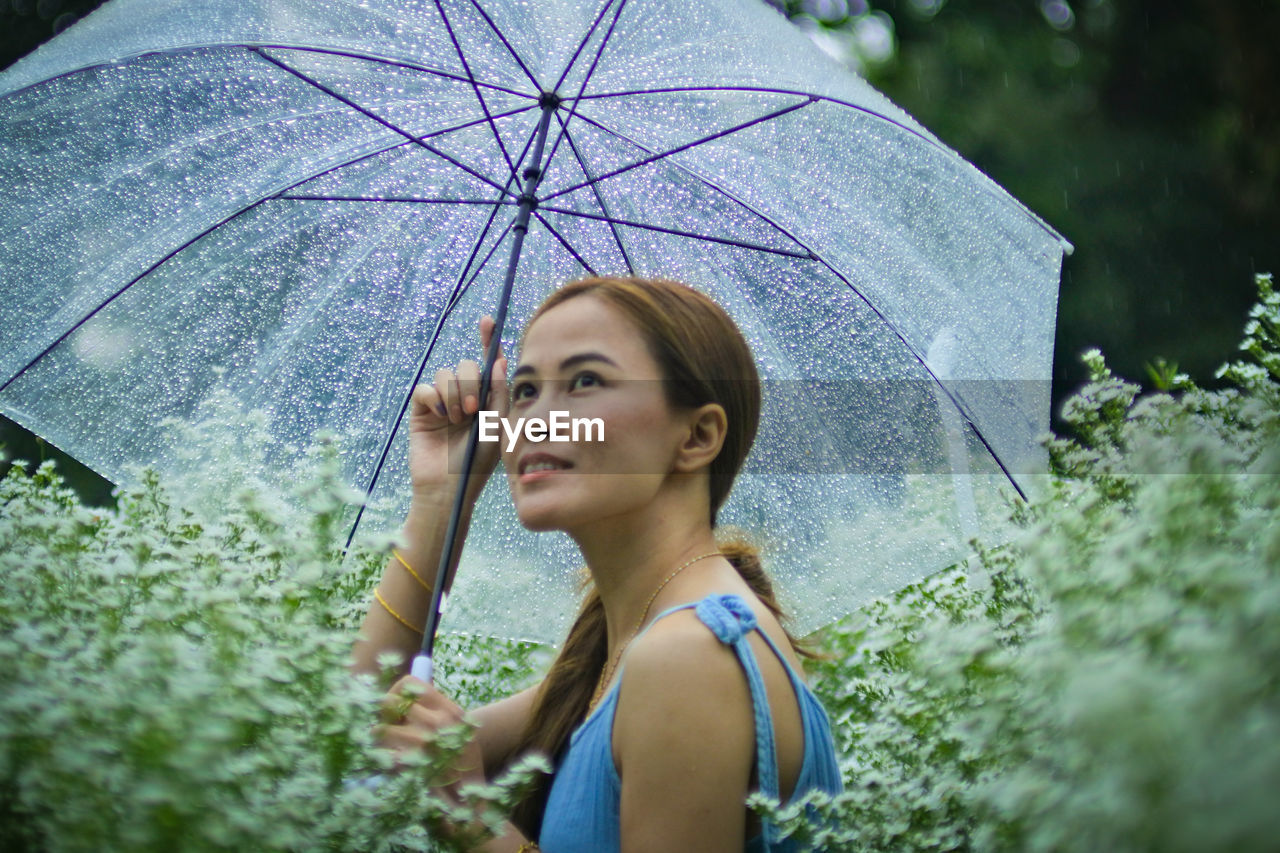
[[675, 693]]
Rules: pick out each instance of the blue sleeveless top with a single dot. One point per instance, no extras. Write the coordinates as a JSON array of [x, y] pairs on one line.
[[582, 811]]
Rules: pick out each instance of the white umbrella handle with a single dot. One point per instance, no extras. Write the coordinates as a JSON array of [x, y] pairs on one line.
[[422, 668]]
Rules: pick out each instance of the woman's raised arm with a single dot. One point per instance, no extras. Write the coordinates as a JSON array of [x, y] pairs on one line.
[[393, 624]]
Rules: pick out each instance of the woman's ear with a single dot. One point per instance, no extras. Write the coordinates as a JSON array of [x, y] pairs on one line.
[[707, 427]]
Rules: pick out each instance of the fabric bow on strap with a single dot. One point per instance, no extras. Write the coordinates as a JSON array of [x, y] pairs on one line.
[[728, 617]]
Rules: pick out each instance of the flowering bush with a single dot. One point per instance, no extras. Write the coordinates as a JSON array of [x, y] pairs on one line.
[[1111, 679], [173, 673], [172, 679]]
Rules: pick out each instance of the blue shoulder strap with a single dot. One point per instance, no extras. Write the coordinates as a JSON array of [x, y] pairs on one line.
[[731, 620]]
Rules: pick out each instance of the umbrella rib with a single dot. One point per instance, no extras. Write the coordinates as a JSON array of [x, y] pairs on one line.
[[691, 174], [206, 232], [582, 46], [384, 150], [408, 136], [604, 40], [654, 158], [459, 290], [511, 50], [430, 135], [807, 256], [563, 242], [946, 152], [138, 167], [492, 215], [191, 48], [351, 162], [516, 111], [398, 145], [399, 63], [394, 199], [960, 407], [573, 147], [87, 317], [484, 107], [462, 289]]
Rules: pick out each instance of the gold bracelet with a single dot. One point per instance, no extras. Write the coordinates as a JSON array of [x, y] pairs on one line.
[[528, 847], [410, 570], [403, 621]]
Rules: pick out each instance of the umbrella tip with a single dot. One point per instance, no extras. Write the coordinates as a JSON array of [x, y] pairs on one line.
[[549, 100]]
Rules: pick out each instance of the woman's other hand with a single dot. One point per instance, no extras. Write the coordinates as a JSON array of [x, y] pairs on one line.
[[414, 712], [440, 421]]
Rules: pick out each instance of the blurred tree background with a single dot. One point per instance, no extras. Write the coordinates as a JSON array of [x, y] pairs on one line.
[[1146, 131]]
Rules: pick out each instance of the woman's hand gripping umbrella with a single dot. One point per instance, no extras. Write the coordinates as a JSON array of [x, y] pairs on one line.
[[439, 425]]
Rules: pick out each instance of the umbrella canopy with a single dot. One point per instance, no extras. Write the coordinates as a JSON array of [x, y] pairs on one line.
[[306, 203]]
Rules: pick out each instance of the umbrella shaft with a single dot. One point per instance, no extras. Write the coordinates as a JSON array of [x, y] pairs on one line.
[[528, 201]]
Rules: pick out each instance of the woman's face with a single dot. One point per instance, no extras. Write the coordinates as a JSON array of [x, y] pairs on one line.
[[585, 357]]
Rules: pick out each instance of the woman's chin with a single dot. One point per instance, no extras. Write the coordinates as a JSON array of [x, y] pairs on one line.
[[538, 525], [539, 517]]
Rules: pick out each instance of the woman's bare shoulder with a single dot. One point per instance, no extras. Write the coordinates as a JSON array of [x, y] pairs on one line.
[[683, 736], [678, 668]]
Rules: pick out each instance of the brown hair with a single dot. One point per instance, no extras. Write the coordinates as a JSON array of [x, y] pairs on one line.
[[704, 359]]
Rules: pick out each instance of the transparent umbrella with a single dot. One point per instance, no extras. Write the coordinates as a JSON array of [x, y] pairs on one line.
[[307, 204]]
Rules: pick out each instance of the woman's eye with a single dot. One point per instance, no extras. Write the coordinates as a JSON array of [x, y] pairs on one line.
[[591, 379], [527, 390]]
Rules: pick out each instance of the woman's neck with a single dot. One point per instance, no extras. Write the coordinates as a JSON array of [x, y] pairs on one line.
[[630, 556]]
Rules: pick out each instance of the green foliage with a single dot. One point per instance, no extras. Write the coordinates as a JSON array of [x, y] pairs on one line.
[[1107, 681], [176, 679]]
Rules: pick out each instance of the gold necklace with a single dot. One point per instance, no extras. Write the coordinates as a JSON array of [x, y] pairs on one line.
[[605, 675]]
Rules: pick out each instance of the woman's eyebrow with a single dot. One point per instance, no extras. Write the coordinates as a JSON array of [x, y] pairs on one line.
[[569, 362]]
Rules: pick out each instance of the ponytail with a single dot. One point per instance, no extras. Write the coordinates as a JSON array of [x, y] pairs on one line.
[[562, 700], [745, 557]]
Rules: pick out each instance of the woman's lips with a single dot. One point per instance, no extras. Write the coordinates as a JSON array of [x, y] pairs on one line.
[[541, 474], [541, 459]]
